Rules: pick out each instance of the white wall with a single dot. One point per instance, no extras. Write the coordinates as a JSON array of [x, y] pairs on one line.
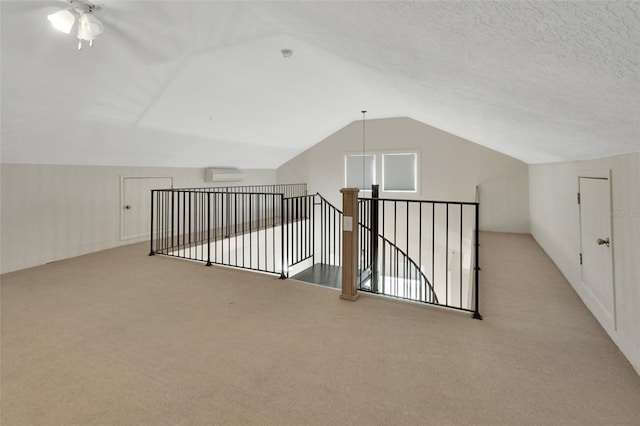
[[450, 168], [53, 212], [555, 224]]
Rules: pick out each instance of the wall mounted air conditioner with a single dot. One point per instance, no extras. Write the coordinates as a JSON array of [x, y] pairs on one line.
[[223, 175]]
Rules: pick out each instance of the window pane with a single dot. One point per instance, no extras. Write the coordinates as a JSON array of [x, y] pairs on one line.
[[354, 169], [399, 172]]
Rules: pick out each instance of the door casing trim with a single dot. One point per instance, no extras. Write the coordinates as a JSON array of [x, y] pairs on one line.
[[121, 204], [604, 174]]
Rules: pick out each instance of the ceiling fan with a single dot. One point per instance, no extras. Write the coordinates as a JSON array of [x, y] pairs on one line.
[[148, 40], [88, 26]]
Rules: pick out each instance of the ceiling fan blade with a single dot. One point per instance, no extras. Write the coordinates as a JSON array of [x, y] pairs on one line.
[[142, 31]]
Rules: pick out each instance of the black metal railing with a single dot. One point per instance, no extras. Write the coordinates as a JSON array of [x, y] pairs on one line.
[[397, 274], [261, 231], [231, 226], [234, 229], [298, 230], [330, 233], [287, 190], [312, 232], [424, 251]]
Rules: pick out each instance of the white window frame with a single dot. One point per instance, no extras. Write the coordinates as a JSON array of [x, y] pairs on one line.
[[416, 177], [378, 165], [360, 154]]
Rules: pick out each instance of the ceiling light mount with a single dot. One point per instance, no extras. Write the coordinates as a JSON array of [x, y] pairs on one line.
[[81, 6], [286, 53]]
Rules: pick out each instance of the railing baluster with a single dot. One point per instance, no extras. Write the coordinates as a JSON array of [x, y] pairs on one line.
[[460, 254], [422, 283], [476, 312], [273, 230], [282, 249], [151, 253], [244, 223], [250, 231], [208, 229], [446, 263]]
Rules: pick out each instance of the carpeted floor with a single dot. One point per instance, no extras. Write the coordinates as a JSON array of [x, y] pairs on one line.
[[120, 338]]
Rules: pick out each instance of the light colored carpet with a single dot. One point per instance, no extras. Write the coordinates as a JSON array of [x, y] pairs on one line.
[[120, 338]]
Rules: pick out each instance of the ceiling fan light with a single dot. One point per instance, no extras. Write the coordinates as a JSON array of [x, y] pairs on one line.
[[89, 27], [62, 20]]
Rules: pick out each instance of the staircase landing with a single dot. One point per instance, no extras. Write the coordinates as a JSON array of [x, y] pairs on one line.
[[330, 276], [327, 275]]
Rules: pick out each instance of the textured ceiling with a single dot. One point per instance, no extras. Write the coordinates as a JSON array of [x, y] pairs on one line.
[[196, 83]]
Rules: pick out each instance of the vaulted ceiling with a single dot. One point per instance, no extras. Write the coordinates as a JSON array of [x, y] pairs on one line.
[[203, 83]]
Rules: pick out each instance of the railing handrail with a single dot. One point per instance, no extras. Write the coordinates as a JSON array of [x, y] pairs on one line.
[[465, 203], [187, 191], [300, 196], [328, 202], [415, 265], [227, 188]]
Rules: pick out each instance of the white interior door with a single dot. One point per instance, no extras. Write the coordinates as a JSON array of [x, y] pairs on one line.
[[597, 244], [136, 204]]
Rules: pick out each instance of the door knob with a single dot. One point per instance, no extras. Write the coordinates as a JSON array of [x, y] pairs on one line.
[[603, 242], [128, 207]]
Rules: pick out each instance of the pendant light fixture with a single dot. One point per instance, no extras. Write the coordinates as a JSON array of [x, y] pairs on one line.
[[363, 152]]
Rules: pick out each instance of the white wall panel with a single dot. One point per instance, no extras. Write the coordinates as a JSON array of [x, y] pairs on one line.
[[53, 212], [555, 224], [449, 168]]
